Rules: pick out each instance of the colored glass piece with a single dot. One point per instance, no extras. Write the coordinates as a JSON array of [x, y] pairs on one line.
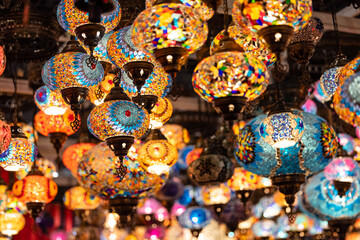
[[195, 218], [349, 69], [46, 124], [5, 136], [309, 107], [50, 102], [77, 198], [72, 155]]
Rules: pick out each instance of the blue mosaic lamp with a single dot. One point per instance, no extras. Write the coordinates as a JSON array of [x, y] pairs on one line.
[[195, 218]]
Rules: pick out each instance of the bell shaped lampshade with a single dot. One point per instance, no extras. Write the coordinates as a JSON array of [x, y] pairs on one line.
[[195, 218], [11, 223], [343, 169], [248, 41], [317, 146], [5, 136], [282, 130], [2, 60], [97, 174], [72, 155], [264, 228], [161, 113], [180, 30], [205, 11], [157, 155], [50, 102], [77, 198], [346, 100], [46, 166], [176, 135], [212, 195], [20, 153]]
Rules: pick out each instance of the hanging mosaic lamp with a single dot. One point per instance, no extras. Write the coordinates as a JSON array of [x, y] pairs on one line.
[[5, 135], [11, 223], [195, 219], [98, 93], [157, 155], [35, 190], [50, 102], [118, 121], [161, 113], [20, 153], [73, 154], [68, 72], [193, 155], [2, 60], [176, 135], [180, 30], [28, 131], [346, 100], [273, 21], [229, 78], [57, 127], [287, 167], [77, 198], [79, 23], [46, 166], [349, 69]]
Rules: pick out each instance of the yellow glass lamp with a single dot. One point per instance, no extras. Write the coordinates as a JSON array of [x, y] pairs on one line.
[[73, 154], [50, 102], [176, 135], [77, 198], [11, 223], [161, 113]]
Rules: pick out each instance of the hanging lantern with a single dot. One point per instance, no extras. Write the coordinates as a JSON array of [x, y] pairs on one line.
[[2, 60], [77, 22], [46, 166], [5, 136], [69, 73], [273, 21], [179, 29], [161, 113], [229, 78], [157, 155], [73, 154], [28, 131], [195, 219], [56, 126], [98, 93], [118, 121], [77, 198], [349, 69], [11, 223], [176, 135], [193, 155], [35, 190], [233, 213], [50, 102], [100, 51], [20, 153]]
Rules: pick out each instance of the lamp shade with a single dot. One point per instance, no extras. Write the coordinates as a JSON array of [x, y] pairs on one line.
[[20, 153], [66, 70], [50, 102], [329, 81], [318, 146], [45, 166], [193, 155], [46, 124], [255, 15], [244, 180], [2, 60], [9, 203], [97, 174], [73, 154], [176, 135], [175, 25], [195, 218], [11, 223], [5, 136], [220, 194], [70, 17], [342, 169], [311, 32], [161, 113], [230, 73], [77, 198]]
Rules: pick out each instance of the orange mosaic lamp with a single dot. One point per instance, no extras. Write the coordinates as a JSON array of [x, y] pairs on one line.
[[73, 154], [161, 113], [176, 135], [11, 223], [77, 198]]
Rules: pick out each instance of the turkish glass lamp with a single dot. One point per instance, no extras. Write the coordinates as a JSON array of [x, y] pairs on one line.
[[200, 6], [171, 31], [35, 190], [118, 121], [342, 171], [229, 78], [9, 203], [349, 69], [193, 155], [309, 107], [46, 166], [161, 113], [157, 155], [77, 198], [50, 102], [28, 131], [195, 219], [69, 73], [11, 223], [100, 51], [287, 166], [72, 155], [273, 20], [248, 41], [267, 208], [264, 228], [346, 100], [77, 22], [176, 135], [5, 135], [20, 153], [2, 60]]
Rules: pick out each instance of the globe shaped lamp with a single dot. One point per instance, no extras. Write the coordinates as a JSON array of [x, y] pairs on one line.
[[72, 155], [229, 78], [195, 219], [11, 223], [5, 136], [176, 135], [161, 113], [171, 31], [77, 198], [118, 121], [98, 93], [46, 166], [20, 153], [273, 21], [79, 22], [2, 60], [216, 197], [50, 102], [157, 155], [68, 72]]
